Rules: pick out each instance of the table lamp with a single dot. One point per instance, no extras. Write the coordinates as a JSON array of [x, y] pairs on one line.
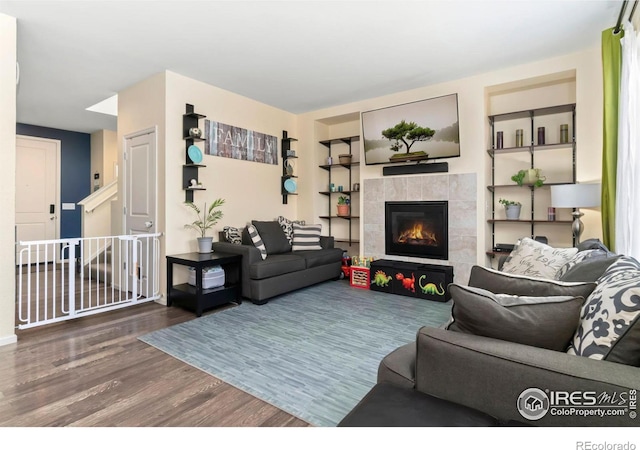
[[576, 196]]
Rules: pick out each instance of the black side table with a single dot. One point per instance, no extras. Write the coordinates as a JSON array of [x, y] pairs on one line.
[[197, 299]]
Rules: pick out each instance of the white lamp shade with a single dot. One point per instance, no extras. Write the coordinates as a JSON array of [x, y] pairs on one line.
[[585, 195]]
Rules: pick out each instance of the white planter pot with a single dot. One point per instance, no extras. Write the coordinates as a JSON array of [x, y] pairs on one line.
[[513, 212], [204, 244]]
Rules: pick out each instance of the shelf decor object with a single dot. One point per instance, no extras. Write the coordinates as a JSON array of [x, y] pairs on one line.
[[576, 196]]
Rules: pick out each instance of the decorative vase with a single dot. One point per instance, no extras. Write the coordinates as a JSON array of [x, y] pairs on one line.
[[513, 212], [195, 132], [204, 244], [343, 210]]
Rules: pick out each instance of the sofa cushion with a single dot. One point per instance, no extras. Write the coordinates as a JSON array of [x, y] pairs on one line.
[[257, 241], [589, 269], [545, 322], [609, 328], [533, 258], [388, 405], [273, 237], [287, 226], [306, 237], [586, 255], [399, 366], [504, 283], [276, 265], [316, 258]]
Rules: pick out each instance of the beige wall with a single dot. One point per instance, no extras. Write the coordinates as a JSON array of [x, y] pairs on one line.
[[473, 108], [104, 156], [7, 174], [251, 190]]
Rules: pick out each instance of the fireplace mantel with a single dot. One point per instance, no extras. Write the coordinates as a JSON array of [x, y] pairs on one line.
[[459, 190]]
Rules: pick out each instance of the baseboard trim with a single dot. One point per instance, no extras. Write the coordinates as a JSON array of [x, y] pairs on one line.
[[6, 340], [416, 168]]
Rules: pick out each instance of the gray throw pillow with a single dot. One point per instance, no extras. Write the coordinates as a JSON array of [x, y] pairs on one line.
[[610, 319], [589, 269], [544, 322], [272, 236], [505, 283]]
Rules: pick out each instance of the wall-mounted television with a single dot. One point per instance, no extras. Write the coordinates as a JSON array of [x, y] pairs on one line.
[[416, 131]]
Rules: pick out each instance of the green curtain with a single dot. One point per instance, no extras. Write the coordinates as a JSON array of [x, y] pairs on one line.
[[611, 68]]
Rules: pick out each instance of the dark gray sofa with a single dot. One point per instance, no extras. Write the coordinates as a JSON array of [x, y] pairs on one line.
[[283, 272], [475, 374]]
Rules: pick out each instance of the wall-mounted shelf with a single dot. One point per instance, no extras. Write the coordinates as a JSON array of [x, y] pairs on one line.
[[285, 149], [190, 119]]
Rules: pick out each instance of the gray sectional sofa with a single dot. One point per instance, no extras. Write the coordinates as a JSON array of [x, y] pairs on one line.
[[283, 270], [491, 370]]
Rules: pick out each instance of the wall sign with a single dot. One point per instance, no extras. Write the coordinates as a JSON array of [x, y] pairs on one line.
[[238, 143]]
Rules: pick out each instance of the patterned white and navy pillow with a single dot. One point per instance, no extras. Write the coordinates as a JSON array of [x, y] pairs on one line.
[[306, 237], [535, 259], [233, 235], [609, 326], [287, 226], [257, 240]]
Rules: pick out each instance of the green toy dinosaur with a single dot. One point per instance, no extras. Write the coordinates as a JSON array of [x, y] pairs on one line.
[[430, 288], [381, 279]]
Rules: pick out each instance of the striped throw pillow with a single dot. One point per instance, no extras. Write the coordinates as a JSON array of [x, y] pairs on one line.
[[306, 237], [257, 240]]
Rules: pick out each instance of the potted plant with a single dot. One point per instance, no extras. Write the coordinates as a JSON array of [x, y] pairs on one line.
[[529, 176], [206, 219], [343, 206], [511, 208]]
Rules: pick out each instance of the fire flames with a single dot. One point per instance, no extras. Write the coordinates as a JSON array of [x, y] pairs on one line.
[[418, 234]]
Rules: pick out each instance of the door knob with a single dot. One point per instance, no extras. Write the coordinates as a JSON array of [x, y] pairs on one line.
[[148, 224]]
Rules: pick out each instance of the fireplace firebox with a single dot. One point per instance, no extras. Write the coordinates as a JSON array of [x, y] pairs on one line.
[[417, 229]]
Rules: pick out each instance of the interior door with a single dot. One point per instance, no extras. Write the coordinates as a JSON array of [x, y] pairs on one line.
[[140, 198], [37, 193]]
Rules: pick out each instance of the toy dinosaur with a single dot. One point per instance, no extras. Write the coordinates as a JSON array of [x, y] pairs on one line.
[[407, 283], [381, 279], [430, 288]]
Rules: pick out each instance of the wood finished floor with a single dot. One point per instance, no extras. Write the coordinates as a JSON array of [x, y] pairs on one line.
[[94, 372]]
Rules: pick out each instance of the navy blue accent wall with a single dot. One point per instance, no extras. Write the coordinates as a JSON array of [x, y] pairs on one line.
[[75, 172]]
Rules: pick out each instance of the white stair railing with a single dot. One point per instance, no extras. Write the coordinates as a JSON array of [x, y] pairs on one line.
[[64, 278]]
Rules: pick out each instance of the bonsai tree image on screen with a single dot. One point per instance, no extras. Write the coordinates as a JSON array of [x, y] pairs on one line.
[[405, 134]]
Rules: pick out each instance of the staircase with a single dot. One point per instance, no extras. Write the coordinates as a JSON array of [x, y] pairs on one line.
[[100, 268]]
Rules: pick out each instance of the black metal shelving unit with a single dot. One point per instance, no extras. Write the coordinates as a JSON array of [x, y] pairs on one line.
[[532, 149], [330, 195]]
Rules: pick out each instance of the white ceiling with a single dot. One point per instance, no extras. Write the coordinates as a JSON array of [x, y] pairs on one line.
[[295, 55]]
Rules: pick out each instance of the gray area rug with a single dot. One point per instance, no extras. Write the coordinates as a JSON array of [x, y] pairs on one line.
[[313, 353]]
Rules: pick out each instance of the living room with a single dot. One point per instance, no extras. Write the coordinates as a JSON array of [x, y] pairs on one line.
[[253, 191]]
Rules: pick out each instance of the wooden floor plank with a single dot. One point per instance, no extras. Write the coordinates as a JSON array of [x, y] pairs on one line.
[[94, 372]]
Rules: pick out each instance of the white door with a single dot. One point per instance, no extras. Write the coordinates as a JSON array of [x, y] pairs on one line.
[[140, 197], [37, 193]]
